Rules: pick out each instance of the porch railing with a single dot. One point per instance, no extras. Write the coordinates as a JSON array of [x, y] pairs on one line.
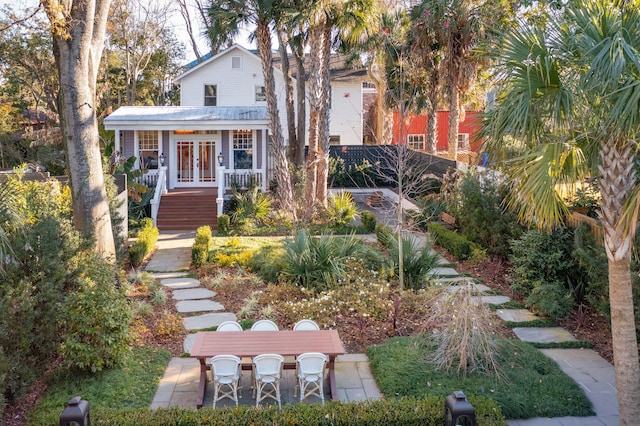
[[243, 179], [161, 188]]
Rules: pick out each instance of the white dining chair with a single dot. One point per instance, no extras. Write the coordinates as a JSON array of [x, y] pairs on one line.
[[306, 324], [225, 370], [264, 325], [267, 370], [229, 326], [310, 374]]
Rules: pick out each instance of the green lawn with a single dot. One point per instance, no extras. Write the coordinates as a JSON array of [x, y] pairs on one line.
[[532, 384], [131, 386]]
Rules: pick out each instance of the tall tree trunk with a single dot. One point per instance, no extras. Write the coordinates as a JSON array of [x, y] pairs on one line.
[[282, 175], [432, 112], [78, 36], [617, 181], [323, 124], [454, 111], [283, 41], [301, 95], [315, 99]]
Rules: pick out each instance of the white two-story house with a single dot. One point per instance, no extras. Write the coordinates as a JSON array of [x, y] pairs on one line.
[[222, 120]]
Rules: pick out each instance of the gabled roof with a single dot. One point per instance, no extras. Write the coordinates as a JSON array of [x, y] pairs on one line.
[[340, 72], [209, 59], [185, 117]]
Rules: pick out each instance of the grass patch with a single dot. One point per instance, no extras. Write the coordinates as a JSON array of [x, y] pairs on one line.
[[541, 322], [532, 384], [131, 386]]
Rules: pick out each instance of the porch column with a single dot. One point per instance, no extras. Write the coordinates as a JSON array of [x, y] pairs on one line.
[[220, 180]]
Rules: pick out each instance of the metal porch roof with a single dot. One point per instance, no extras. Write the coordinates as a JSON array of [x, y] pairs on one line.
[[186, 118]]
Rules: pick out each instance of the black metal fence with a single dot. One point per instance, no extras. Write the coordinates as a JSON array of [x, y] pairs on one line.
[[353, 155]]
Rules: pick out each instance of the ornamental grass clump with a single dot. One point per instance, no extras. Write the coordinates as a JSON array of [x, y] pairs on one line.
[[464, 332]]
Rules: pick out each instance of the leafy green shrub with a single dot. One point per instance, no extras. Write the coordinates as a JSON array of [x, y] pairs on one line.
[[555, 270], [357, 175], [427, 411], [199, 254], [477, 205], [251, 205], [384, 234], [430, 208], [224, 224], [137, 253], [453, 242], [417, 261], [341, 208], [316, 262], [368, 220], [96, 318], [267, 263]]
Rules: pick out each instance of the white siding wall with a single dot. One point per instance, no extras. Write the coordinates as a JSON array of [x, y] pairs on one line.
[[236, 87], [346, 112]]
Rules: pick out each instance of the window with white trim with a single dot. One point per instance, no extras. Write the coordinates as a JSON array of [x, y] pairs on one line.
[[416, 142], [210, 95], [243, 149], [148, 148], [463, 141], [261, 94]]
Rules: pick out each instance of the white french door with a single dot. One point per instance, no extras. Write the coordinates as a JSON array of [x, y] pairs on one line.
[[195, 162]]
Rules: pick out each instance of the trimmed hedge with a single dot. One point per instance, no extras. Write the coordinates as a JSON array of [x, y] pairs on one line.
[[200, 249], [453, 242], [147, 239], [401, 412]]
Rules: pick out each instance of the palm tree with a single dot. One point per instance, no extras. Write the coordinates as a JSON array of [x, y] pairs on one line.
[[226, 16], [570, 93], [350, 19]]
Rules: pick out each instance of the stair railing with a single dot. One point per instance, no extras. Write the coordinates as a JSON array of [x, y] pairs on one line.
[[161, 188]]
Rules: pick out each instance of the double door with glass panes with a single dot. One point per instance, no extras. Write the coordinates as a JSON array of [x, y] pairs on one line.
[[196, 162]]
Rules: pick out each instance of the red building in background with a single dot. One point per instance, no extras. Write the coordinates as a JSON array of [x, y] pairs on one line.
[[414, 133]]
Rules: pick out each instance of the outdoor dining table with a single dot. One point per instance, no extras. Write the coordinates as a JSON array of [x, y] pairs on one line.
[[252, 343]]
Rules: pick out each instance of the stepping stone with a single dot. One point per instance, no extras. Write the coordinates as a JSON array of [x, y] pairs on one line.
[[207, 320], [193, 294], [165, 275], [494, 300], [478, 288], [516, 315], [198, 306], [188, 342], [543, 334], [438, 271], [179, 283], [456, 279]]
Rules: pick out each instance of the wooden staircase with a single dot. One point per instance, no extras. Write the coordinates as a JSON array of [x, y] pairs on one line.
[[187, 209]]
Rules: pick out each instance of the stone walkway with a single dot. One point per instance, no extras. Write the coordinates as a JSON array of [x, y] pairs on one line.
[[197, 305], [354, 380]]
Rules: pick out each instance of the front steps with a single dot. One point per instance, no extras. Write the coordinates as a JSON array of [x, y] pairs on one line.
[[187, 209]]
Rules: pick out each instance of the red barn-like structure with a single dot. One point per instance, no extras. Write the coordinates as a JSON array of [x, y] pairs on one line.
[[414, 133]]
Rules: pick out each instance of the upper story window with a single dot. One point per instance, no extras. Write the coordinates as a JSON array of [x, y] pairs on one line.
[[236, 62], [243, 149], [261, 94], [334, 140], [416, 142], [463, 141], [148, 148], [210, 95]]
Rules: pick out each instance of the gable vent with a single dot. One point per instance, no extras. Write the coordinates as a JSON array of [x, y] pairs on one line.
[[236, 62]]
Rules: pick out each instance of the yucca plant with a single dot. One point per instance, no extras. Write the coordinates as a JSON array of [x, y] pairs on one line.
[[316, 262], [417, 261], [341, 208]]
